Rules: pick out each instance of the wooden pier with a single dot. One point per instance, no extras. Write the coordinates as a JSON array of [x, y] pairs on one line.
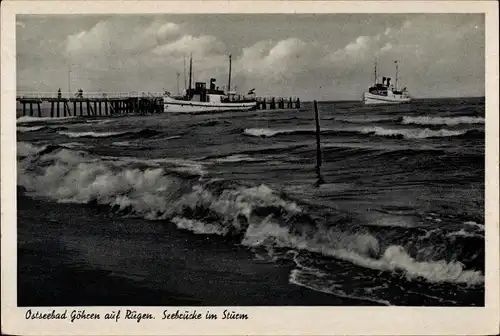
[[109, 104], [89, 105], [273, 103]]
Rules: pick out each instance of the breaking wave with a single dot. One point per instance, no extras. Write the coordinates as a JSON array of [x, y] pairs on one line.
[[257, 215], [411, 133], [28, 119], [237, 158], [371, 130], [91, 134], [139, 133], [450, 121], [266, 132], [73, 145], [140, 143], [24, 129]]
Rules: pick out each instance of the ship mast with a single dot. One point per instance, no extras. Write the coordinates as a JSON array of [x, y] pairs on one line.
[[178, 75], [375, 75], [185, 78], [229, 79], [397, 70], [69, 78], [190, 71], [69, 74]]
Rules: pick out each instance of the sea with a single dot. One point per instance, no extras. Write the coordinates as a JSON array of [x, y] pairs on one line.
[[225, 209]]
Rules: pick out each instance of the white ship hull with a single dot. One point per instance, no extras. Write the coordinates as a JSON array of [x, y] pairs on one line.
[[171, 105], [373, 99]]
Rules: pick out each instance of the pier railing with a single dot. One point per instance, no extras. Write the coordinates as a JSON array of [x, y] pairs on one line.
[[86, 95]]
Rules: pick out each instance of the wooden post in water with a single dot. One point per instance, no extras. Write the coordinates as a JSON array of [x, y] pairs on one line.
[[52, 109], [24, 109], [31, 109], [74, 107], [66, 108], [81, 108], [319, 180], [58, 113], [106, 107], [39, 110]]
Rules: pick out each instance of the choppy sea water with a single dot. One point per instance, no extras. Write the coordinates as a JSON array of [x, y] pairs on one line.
[[398, 221]]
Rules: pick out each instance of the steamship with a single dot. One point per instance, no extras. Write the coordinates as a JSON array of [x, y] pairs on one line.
[[212, 99], [385, 92]]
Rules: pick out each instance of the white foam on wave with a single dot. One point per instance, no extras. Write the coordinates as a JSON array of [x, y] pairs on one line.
[[99, 121], [90, 134], [140, 142], [318, 281], [73, 145], [464, 233], [198, 226], [26, 148], [362, 250], [122, 143], [239, 202], [376, 130], [24, 129], [175, 164], [75, 177], [172, 137], [265, 132], [450, 121], [474, 224], [66, 175], [410, 133], [236, 158], [362, 120], [28, 119]]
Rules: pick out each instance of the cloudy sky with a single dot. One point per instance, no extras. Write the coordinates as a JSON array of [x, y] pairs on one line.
[[325, 56]]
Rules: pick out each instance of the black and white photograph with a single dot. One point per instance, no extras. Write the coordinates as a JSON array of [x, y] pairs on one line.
[[250, 159]]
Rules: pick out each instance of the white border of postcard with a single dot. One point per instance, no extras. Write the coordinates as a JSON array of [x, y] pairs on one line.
[[262, 320]]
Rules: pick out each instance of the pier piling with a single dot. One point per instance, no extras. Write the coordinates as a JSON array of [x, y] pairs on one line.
[[319, 180]]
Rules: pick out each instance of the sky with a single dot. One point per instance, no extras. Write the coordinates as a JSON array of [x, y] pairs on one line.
[[312, 56]]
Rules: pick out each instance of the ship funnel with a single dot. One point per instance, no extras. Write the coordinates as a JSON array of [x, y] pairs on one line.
[[388, 81], [212, 83], [383, 80]]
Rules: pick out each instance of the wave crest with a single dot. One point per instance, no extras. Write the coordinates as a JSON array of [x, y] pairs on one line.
[[450, 121], [411, 133], [24, 129], [91, 134], [405, 133], [143, 133], [28, 119]]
